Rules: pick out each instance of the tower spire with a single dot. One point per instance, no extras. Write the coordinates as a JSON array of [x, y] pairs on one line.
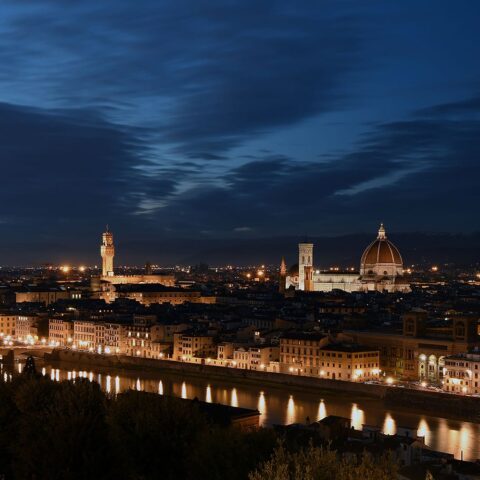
[[282, 280], [283, 267]]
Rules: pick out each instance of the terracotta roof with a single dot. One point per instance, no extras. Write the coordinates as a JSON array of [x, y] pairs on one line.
[[381, 251]]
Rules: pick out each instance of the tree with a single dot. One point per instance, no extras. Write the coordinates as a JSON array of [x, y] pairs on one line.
[[154, 435], [61, 430], [229, 453], [319, 463]]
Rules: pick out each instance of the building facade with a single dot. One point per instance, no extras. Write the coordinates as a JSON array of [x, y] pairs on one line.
[[381, 269], [462, 374], [60, 332], [188, 346], [7, 325], [316, 355], [419, 352]]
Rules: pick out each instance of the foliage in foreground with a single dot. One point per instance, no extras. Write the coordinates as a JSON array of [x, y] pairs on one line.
[[319, 463], [71, 431], [66, 430]]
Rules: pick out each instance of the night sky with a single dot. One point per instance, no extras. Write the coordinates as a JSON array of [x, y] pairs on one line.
[[234, 119]]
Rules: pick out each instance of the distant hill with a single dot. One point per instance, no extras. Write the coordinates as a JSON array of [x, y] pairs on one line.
[[343, 250]]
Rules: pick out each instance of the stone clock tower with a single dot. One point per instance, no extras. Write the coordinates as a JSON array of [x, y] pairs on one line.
[[107, 251]]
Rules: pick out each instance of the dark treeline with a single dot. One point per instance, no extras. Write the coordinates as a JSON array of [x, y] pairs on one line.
[[67, 430]]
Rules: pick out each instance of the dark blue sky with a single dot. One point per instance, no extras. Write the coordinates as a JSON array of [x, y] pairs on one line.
[[221, 119]]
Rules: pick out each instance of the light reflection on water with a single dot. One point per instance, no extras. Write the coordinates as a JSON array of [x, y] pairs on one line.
[[277, 406], [208, 394], [290, 411], [357, 417], [389, 426], [322, 410], [262, 408], [234, 400]]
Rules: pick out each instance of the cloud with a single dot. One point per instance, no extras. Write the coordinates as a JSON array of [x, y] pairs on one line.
[[207, 77], [420, 171], [178, 117]]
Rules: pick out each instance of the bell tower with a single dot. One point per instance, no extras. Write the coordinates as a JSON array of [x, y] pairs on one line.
[[107, 251], [282, 277], [305, 259]]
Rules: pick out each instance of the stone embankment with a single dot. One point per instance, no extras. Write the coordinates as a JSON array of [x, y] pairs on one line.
[[429, 402]]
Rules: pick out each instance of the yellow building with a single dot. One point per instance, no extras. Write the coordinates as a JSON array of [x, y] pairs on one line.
[[26, 329], [7, 325], [255, 357], [314, 355], [461, 374], [45, 295], [84, 335], [60, 332], [187, 346]]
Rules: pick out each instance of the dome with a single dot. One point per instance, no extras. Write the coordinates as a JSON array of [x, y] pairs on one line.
[[381, 257]]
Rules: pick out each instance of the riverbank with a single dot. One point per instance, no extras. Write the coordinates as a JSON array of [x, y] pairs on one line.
[[252, 377], [448, 405]]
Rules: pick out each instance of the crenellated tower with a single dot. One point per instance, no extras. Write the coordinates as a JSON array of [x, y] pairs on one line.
[[107, 251]]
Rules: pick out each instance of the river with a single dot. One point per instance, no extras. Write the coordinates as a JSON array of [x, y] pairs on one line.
[[281, 406]]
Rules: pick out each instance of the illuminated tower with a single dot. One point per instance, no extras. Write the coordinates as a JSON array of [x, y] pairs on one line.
[[282, 280], [308, 279], [107, 251], [305, 259]]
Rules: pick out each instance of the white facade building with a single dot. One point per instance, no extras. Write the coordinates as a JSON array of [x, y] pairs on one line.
[[381, 269]]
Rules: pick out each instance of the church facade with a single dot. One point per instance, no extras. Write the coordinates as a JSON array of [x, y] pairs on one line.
[[381, 269]]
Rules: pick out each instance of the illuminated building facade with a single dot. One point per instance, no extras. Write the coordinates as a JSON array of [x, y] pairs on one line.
[[316, 355], [419, 352], [381, 269], [187, 346], [462, 373], [7, 325], [104, 286], [29, 328], [60, 332]]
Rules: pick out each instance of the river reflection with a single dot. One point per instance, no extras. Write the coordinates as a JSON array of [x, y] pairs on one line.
[[280, 406], [322, 410]]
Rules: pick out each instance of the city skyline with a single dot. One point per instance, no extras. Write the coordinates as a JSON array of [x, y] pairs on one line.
[[239, 239], [239, 121]]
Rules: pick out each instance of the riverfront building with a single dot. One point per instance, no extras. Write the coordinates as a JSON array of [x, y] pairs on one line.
[[419, 351], [7, 325], [189, 345], [316, 355], [462, 373], [60, 332]]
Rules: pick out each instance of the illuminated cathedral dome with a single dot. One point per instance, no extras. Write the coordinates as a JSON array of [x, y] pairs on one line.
[[381, 257]]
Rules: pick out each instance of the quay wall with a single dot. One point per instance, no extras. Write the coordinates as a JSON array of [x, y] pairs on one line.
[[215, 372], [430, 402], [435, 403]]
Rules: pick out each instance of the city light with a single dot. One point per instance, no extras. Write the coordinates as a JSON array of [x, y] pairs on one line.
[[65, 268]]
